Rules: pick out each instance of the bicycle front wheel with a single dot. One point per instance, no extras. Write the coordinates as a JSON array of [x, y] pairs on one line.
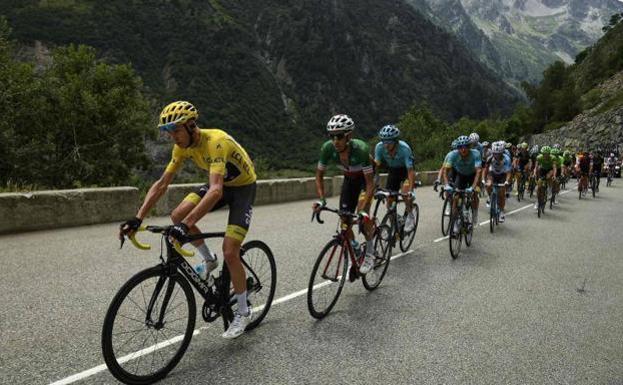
[[383, 243], [445, 216], [148, 326], [455, 232], [261, 271], [407, 238], [327, 279]]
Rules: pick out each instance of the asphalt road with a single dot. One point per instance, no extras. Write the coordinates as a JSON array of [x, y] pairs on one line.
[[538, 302]]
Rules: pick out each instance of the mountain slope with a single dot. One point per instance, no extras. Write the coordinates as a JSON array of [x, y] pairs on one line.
[[518, 39], [273, 72]]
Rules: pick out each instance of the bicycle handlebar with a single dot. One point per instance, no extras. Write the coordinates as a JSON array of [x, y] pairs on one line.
[[161, 230], [341, 213]]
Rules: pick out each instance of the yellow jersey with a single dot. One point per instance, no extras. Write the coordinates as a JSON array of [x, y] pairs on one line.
[[218, 153]]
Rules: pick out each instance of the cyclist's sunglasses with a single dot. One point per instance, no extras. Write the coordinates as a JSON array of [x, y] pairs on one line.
[[462, 146], [390, 141], [168, 127], [339, 136]]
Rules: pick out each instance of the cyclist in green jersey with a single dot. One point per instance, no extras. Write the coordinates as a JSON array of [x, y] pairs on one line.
[[352, 156], [557, 159], [546, 168]]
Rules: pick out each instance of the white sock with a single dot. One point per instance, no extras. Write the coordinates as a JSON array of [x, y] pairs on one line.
[[205, 252], [243, 309], [369, 247]]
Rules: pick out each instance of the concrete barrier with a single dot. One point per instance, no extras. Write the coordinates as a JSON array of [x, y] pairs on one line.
[[268, 191], [62, 208]]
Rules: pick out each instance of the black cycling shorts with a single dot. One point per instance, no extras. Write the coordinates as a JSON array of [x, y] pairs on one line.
[[543, 172], [351, 189], [395, 177], [462, 182], [240, 201], [497, 178]]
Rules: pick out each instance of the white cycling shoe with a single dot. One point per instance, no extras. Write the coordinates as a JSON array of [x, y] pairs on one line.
[[238, 325], [368, 264]]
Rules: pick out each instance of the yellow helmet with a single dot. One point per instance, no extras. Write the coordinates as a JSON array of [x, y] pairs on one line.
[[176, 113]]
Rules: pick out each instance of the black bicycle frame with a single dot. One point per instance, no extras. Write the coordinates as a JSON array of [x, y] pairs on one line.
[[175, 264]]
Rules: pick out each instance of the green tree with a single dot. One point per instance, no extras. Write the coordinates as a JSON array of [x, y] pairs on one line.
[[79, 122]]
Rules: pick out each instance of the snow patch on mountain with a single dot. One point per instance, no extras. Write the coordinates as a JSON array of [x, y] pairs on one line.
[[537, 8]]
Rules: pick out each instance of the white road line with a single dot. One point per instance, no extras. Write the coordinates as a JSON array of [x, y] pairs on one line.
[[100, 368], [510, 213], [153, 348]]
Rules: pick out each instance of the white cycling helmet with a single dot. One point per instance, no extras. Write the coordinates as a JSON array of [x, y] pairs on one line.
[[497, 147], [474, 138], [340, 123], [612, 154]]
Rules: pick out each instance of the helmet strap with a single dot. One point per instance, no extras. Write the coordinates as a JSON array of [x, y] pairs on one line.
[[190, 128]]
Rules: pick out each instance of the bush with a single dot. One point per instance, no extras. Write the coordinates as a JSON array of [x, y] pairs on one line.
[[79, 122]]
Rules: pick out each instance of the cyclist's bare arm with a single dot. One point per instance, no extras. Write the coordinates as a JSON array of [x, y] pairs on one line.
[[214, 194], [156, 191], [444, 174], [369, 189], [411, 178], [477, 179], [320, 183]]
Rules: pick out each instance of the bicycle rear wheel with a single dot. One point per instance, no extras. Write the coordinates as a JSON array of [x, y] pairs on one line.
[[445, 216], [455, 233], [327, 279], [469, 229], [261, 270], [383, 243], [406, 238], [139, 347], [493, 207]]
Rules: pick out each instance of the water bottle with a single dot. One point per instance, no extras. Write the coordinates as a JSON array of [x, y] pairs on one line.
[[355, 244], [199, 265]]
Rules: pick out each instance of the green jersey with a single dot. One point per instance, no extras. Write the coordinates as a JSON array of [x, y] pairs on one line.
[[546, 164], [358, 158]]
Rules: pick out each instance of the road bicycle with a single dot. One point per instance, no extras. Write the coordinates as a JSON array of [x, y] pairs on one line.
[[521, 186], [151, 319], [339, 259], [494, 210], [541, 195], [531, 185], [461, 226], [609, 176], [395, 220], [445, 209], [582, 187], [594, 183]]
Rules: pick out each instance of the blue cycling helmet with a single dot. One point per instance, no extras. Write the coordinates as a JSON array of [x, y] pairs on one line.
[[462, 141], [389, 132]]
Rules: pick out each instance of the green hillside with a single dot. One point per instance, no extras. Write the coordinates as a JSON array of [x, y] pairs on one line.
[[273, 72]]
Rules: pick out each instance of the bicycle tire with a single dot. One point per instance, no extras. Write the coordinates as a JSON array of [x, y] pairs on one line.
[[342, 265], [455, 238], [492, 207], [251, 254], [406, 239], [445, 218], [385, 238], [115, 363], [469, 230]]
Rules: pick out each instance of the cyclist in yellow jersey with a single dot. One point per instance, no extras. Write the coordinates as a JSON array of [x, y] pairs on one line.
[[232, 182]]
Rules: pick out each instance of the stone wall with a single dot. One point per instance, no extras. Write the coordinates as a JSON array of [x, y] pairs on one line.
[[63, 208], [591, 130]]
